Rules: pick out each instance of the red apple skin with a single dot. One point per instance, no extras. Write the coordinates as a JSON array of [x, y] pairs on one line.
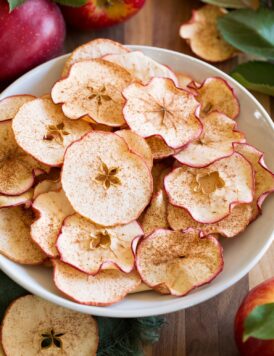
[[101, 13], [31, 34], [262, 294]]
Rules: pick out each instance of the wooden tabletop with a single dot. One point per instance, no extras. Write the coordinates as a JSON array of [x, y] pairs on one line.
[[206, 329]]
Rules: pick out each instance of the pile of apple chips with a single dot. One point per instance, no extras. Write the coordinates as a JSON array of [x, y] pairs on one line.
[[125, 176]]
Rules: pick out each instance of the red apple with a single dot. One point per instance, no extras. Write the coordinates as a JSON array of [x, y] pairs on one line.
[[262, 294], [29, 35], [101, 13]]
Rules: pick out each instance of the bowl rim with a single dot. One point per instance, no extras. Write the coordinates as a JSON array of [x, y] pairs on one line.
[[175, 304]]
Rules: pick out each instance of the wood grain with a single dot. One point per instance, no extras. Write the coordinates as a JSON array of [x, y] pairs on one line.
[[206, 329]]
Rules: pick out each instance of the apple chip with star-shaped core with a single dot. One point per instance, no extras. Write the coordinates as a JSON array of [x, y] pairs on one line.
[[93, 88], [105, 288], [90, 247], [209, 193], [48, 132], [215, 142], [175, 262], [105, 181], [160, 108]]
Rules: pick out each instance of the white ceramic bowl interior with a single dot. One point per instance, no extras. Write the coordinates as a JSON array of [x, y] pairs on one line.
[[240, 254]]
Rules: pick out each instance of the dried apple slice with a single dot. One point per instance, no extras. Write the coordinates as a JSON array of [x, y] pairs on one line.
[[45, 186], [48, 132], [94, 49], [137, 144], [14, 200], [160, 108], [141, 66], [155, 216], [33, 326], [216, 141], [215, 94], [52, 209], [211, 192], [91, 248], [184, 80], [10, 105], [159, 148], [159, 171], [18, 169], [203, 36], [230, 226], [264, 178], [175, 262], [104, 181], [15, 241], [106, 288], [93, 88]]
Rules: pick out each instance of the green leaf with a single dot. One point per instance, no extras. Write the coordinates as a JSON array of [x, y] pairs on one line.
[[249, 31], [256, 75], [260, 323], [73, 3], [233, 4], [14, 3]]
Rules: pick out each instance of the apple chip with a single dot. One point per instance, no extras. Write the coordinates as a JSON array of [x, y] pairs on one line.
[[211, 192], [33, 326], [10, 105], [216, 141], [94, 49], [230, 226], [91, 248], [48, 132], [175, 262], [159, 171], [14, 200], [141, 66], [137, 144], [15, 241], [45, 186], [93, 88], [203, 36], [264, 178], [159, 148], [105, 288], [160, 108], [104, 181], [18, 169], [214, 94], [52, 209], [155, 216], [183, 80]]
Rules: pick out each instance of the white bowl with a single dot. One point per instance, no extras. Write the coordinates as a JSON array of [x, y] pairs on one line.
[[240, 254]]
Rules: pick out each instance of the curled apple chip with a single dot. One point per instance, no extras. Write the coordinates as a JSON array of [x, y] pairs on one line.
[[48, 132], [94, 49], [141, 66], [52, 208], [93, 88], [215, 142], [33, 326], [14, 200], [230, 226], [105, 288], [159, 171], [45, 186], [15, 241], [10, 105], [91, 248], [137, 144], [264, 178], [155, 216], [175, 262], [211, 192], [203, 36], [18, 169], [104, 181], [214, 94], [160, 108], [159, 148]]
